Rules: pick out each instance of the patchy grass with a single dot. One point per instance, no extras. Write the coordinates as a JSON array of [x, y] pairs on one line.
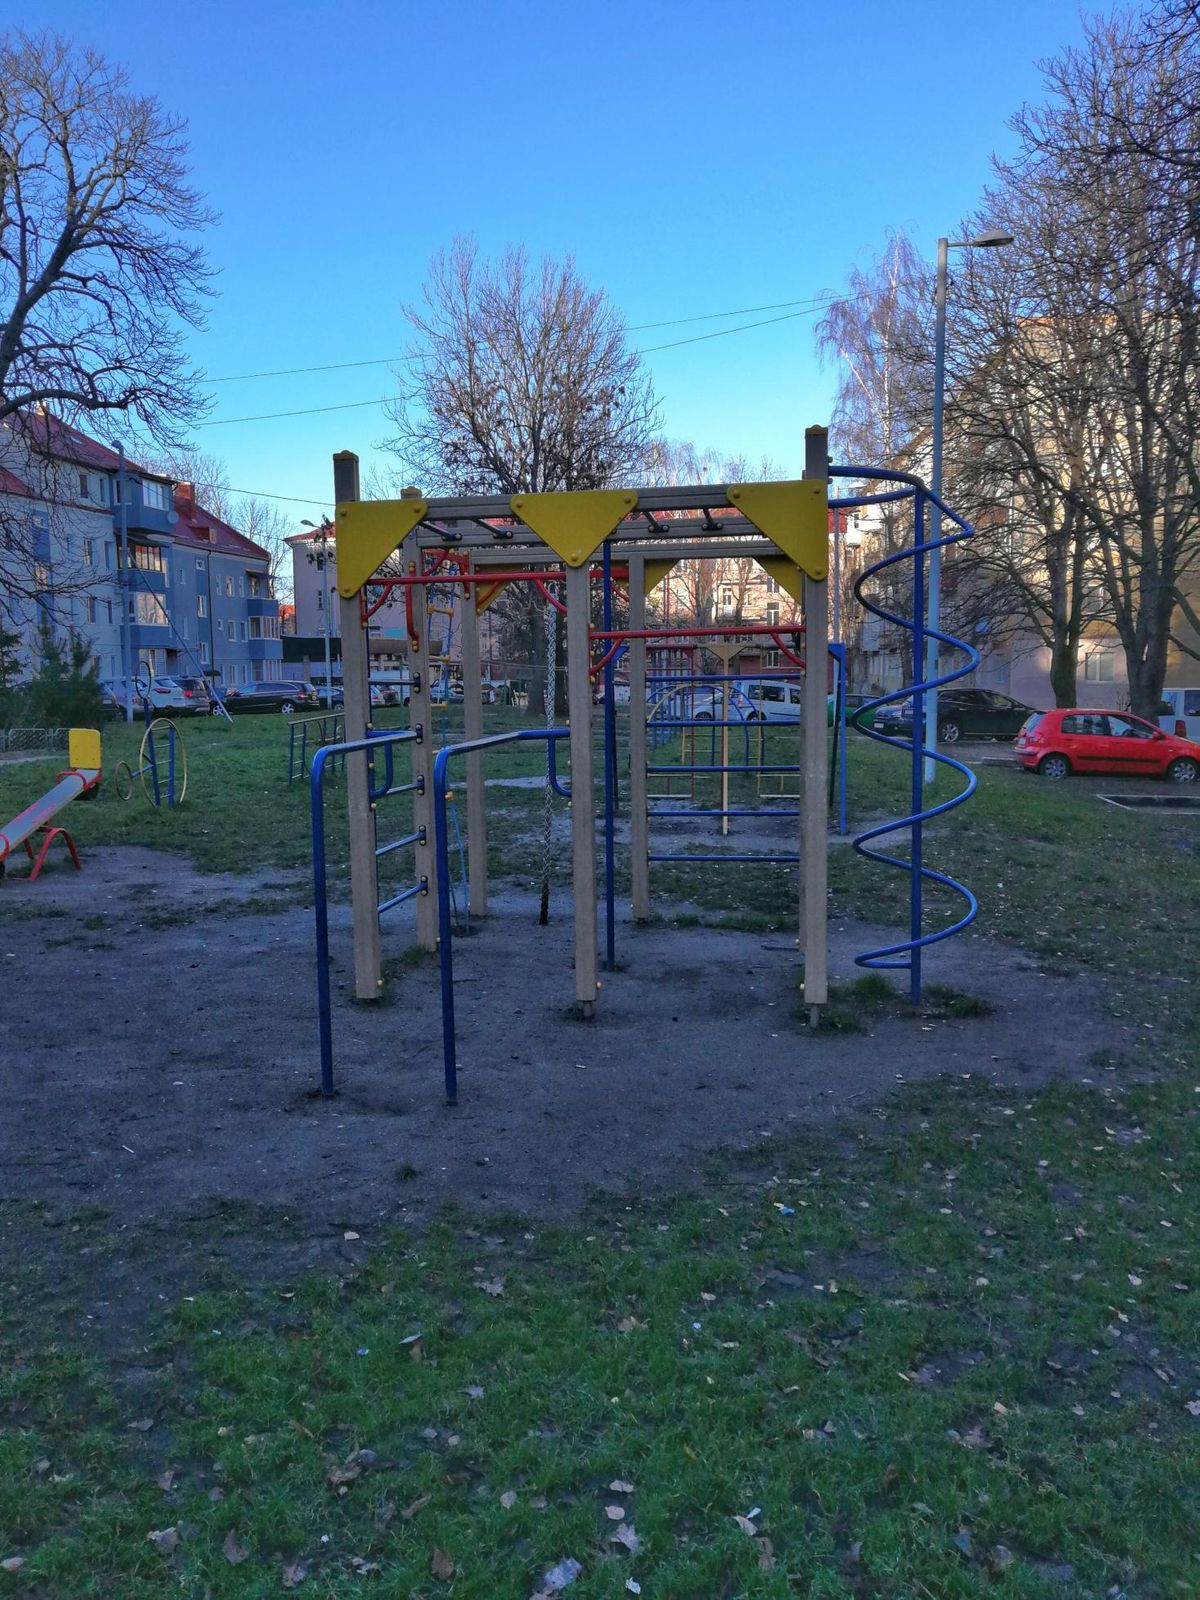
[[853, 1006], [954, 1353]]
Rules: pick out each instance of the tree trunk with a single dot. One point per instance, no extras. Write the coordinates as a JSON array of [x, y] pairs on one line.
[[1064, 671]]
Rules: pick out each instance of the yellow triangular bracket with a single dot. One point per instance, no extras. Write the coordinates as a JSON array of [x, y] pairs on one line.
[[656, 571], [487, 594], [574, 522], [786, 574], [793, 515], [367, 533]]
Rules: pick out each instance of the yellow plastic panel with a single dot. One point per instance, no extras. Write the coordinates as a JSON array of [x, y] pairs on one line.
[[574, 522], [793, 515], [786, 574], [367, 533], [656, 571], [487, 594], [83, 749]]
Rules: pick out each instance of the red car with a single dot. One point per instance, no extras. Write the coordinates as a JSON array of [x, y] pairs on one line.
[[1058, 743]]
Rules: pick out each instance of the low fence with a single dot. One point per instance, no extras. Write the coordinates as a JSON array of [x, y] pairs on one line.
[[32, 741]]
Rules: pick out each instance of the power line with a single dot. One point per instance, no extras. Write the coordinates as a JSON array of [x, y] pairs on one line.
[[814, 301], [261, 494], [354, 405]]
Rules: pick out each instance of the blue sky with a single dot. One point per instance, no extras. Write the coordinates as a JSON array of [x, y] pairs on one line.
[[694, 157]]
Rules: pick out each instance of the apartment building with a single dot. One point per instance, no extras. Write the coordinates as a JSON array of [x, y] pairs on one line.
[[198, 592]]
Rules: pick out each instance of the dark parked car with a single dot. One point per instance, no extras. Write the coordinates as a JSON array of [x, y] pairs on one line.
[[277, 695], [962, 714]]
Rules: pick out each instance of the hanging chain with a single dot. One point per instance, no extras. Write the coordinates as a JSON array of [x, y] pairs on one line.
[[548, 801]]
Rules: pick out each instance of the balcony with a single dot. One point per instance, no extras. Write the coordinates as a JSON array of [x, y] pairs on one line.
[[265, 649], [262, 606], [150, 636], [149, 582]]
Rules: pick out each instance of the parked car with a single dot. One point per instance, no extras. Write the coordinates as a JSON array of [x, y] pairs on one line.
[[167, 694], [962, 714], [620, 691], [274, 695], [750, 700], [1058, 743], [1179, 713]]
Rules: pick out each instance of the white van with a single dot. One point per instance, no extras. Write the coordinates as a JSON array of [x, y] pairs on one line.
[[1179, 713]]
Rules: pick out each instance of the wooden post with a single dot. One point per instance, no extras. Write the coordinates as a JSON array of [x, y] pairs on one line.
[[364, 877], [583, 798], [420, 717], [473, 729], [639, 821], [814, 915]]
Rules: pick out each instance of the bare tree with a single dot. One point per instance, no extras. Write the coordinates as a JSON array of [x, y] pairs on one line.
[[522, 382], [1080, 385], [98, 277]]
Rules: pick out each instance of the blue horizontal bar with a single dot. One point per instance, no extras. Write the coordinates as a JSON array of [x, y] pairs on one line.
[[791, 861], [405, 894], [401, 788], [398, 844]]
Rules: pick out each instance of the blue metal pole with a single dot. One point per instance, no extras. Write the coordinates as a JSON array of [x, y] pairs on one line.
[[171, 767], [321, 912], [917, 881], [610, 778], [445, 930], [153, 763], [841, 711], [930, 666]]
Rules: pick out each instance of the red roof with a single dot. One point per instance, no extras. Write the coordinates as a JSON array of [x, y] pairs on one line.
[[11, 484], [195, 526], [52, 436]]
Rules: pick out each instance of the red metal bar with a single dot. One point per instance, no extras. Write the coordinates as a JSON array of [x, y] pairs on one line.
[[622, 635]]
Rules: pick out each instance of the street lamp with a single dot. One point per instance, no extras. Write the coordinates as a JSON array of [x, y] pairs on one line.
[[990, 239], [323, 567]]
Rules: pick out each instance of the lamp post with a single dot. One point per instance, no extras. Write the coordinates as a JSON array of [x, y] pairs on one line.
[[323, 567], [124, 574], [991, 239]]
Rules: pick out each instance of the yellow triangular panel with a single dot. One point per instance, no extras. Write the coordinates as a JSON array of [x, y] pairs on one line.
[[794, 516], [487, 593], [656, 571], [367, 533], [574, 522], [786, 574]]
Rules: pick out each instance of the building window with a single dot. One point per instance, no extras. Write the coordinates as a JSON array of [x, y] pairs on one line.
[[772, 585], [242, 587], [771, 658], [1098, 666], [149, 610], [199, 563], [220, 624], [255, 587], [204, 652], [85, 486], [155, 496], [147, 557], [201, 605], [90, 607], [89, 556], [244, 633], [320, 599], [108, 555], [229, 588], [772, 613], [108, 608]]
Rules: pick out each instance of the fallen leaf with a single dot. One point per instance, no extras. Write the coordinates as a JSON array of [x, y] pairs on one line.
[[164, 1540], [626, 1535], [350, 1234], [415, 1345], [142, 1425], [508, 1499], [492, 1286], [418, 1504], [619, 1486], [1000, 1558], [475, 1391], [294, 1573], [962, 1543], [362, 1566], [234, 1551], [766, 1554], [615, 1513], [167, 1478], [747, 1527], [442, 1566], [559, 1576], [630, 1325], [633, 1586], [1194, 1407], [12, 1564]]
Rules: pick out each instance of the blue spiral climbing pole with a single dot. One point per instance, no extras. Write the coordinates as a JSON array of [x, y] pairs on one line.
[[905, 955]]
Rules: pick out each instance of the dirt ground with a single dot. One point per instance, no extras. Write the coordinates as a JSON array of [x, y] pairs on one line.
[[162, 1065]]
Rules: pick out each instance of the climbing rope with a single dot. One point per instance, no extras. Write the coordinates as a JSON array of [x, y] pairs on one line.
[[548, 800]]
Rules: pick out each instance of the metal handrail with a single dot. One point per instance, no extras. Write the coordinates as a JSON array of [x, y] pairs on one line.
[[442, 870], [320, 894]]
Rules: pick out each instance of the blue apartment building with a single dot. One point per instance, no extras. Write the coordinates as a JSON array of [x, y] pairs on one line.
[[199, 592]]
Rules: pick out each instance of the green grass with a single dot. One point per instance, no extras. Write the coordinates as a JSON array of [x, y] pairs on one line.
[[947, 1351], [967, 1323]]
